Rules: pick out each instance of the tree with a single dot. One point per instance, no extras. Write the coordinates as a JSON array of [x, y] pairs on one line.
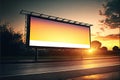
[[96, 44], [104, 48], [112, 13], [10, 41], [115, 48]]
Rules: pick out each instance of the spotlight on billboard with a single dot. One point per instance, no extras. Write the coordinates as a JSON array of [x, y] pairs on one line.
[[50, 31]]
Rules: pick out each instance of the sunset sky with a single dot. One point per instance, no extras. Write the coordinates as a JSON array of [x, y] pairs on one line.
[[79, 10]]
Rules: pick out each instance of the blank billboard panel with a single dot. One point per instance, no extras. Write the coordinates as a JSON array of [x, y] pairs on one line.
[[44, 32]]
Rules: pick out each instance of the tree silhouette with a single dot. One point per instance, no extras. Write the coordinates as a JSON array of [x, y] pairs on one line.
[[112, 13], [104, 48], [10, 41], [115, 48], [96, 44]]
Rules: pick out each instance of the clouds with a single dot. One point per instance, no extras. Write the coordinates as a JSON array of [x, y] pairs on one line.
[[108, 37], [102, 29]]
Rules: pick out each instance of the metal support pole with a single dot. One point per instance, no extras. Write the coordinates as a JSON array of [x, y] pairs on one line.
[[119, 37], [36, 55]]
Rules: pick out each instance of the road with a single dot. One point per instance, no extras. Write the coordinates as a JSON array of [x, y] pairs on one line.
[[61, 69]]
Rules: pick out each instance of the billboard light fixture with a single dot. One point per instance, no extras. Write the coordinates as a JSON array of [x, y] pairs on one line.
[[37, 14], [81, 23], [59, 19], [76, 22], [44, 16], [89, 25], [66, 20], [52, 17], [71, 21]]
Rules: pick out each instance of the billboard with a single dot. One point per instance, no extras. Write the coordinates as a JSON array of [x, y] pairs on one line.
[[47, 32]]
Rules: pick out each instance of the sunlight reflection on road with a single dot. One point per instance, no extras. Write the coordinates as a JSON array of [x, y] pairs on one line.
[[104, 76], [40, 68]]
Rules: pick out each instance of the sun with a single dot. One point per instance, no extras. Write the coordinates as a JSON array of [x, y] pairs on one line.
[[91, 50]]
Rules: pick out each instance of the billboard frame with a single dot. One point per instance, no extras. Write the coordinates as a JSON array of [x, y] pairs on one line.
[[56, 19]]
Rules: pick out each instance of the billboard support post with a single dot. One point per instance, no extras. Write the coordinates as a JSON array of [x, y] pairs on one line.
[[36, 55]]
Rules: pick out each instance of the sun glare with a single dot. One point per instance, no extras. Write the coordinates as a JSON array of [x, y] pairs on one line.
[[91, 50]]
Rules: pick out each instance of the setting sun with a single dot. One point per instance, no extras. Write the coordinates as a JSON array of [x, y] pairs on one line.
[[91, 50]]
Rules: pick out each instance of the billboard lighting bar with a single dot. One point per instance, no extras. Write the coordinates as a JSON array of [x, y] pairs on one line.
[[66, 20], [44, 16], [59, 19], [54, 18], [76, 22], [71, 21], [36, 14], [87, 24]]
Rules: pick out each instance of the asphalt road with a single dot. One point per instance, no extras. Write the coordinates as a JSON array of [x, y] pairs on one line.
[[58, 70]]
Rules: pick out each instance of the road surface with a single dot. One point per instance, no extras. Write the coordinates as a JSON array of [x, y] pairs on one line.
[[55, 70]]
